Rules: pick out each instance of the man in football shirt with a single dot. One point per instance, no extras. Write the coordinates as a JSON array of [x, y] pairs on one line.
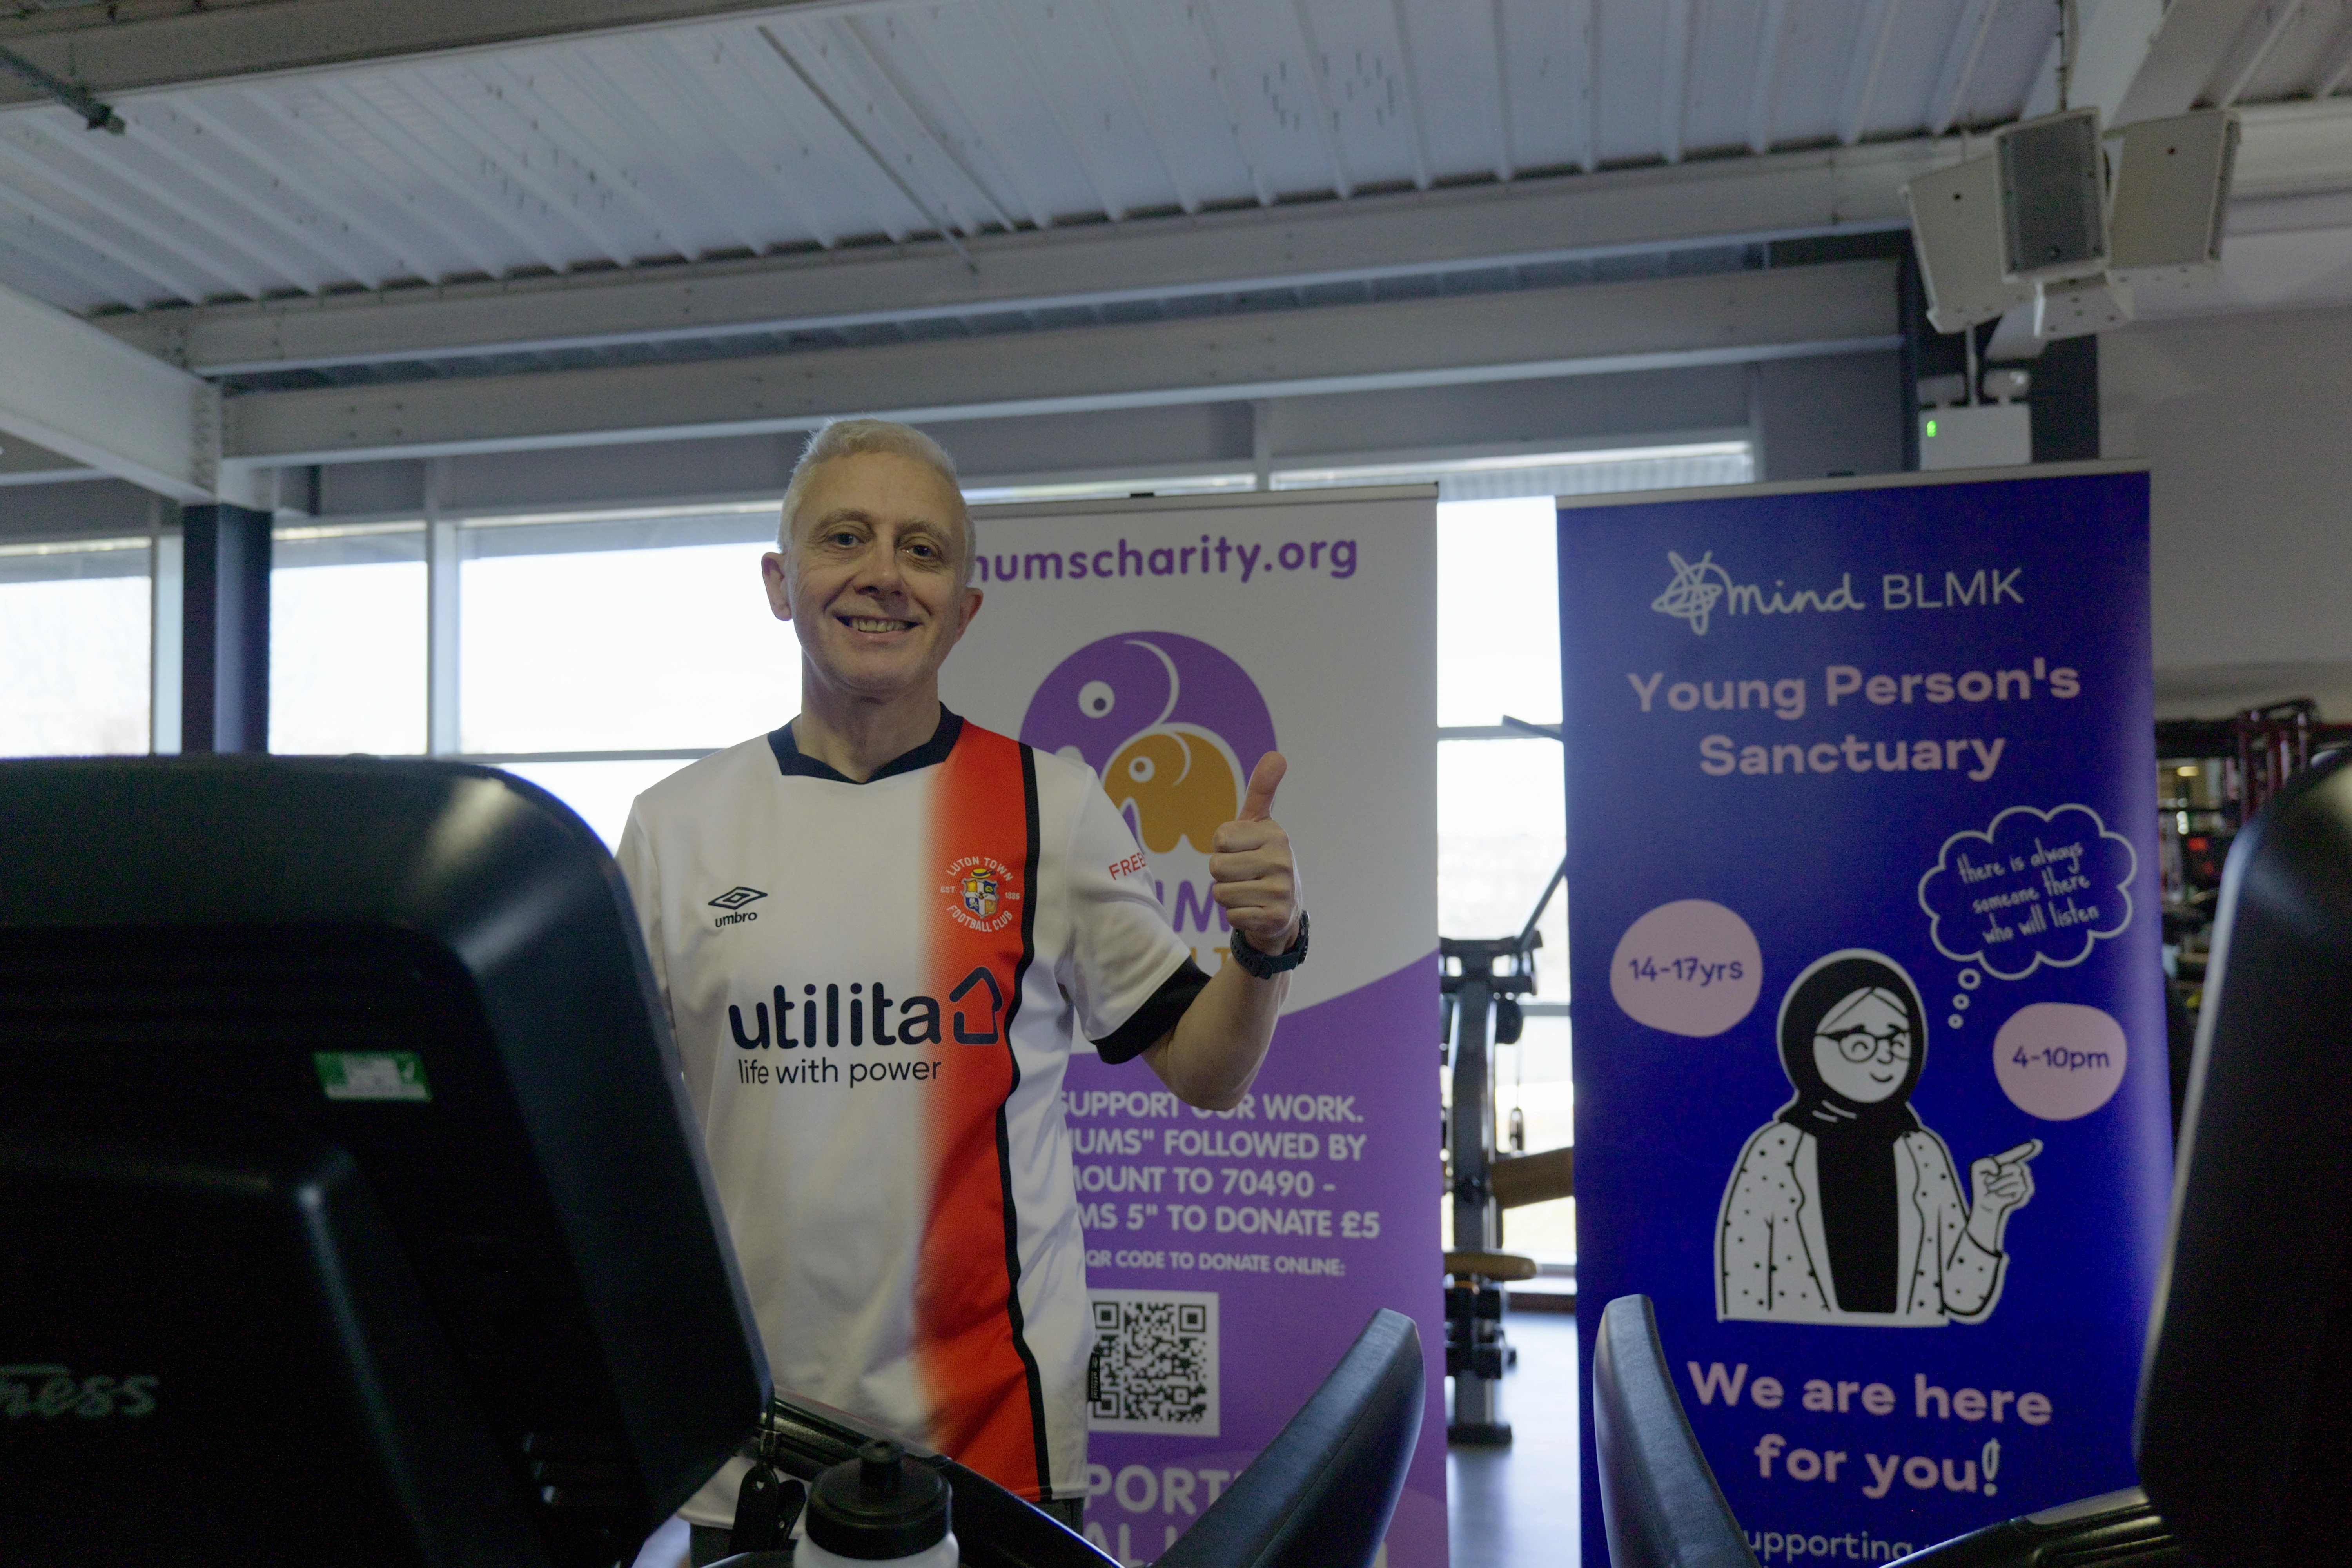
[[878, 932]]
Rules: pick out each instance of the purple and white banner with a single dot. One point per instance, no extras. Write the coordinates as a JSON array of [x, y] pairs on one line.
[[1232, 1258]]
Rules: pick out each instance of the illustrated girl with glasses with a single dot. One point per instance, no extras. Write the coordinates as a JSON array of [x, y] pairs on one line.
[[1844, 1209]]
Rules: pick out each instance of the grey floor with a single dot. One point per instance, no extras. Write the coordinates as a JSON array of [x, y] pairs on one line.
[[1517, 1507]]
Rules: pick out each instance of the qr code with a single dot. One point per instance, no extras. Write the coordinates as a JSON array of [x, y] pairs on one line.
[[1154, 1367]]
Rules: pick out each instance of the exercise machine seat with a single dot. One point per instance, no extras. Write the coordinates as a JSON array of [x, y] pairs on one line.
[[1321, 1494], [1658, 1497]]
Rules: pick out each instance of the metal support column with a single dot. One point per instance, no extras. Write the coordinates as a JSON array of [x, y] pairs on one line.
[[225, 629], [444, 735], [167, 603]]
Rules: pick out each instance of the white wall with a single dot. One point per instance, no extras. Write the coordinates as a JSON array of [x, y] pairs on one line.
[[2246, 422]]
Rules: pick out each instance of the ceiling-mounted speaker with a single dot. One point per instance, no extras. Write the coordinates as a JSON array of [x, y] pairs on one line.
[[2172, 198], [2053, 197], [1956, 228], [2077, 307]]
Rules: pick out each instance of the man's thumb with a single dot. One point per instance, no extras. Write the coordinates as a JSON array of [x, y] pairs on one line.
[[1257, 806]]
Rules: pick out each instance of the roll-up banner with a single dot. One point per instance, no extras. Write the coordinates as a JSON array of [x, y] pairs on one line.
[[1232, 1258], [1871, 1089]]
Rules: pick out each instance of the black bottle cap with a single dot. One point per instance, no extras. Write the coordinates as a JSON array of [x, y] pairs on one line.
[[879, 1506]]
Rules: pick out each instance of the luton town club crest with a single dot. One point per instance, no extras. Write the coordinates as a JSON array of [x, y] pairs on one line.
[[980, 894], [984, 892]]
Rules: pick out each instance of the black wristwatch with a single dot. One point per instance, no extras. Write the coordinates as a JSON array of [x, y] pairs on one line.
[[1266, 966]]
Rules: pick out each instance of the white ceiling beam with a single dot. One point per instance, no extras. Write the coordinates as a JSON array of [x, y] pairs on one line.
[[1717, 201], [1727, 318], [2281, 19], [2116, 36], [134, 46], [88, 396], [2186, 51]]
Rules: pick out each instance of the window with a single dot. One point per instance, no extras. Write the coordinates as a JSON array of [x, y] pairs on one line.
[[347, 639], [638, 634], [76, 641], [1501, 803]]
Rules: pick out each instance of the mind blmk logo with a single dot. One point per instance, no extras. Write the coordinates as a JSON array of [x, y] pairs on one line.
[[1698, 586], [736, 897], [1693, 591]]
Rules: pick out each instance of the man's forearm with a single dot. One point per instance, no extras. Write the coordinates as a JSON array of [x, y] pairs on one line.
[[1213, 1053]]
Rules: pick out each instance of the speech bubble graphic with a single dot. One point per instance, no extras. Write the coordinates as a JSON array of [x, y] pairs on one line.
[[1690, 967], [2034, 887]]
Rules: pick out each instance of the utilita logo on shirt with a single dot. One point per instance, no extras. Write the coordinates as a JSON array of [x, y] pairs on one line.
[[732, 900], [974, 1011]]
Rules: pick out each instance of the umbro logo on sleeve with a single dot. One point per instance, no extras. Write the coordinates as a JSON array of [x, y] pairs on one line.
[[732, 900]]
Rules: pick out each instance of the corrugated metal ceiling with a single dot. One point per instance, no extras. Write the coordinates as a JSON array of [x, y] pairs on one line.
[[870, 123]]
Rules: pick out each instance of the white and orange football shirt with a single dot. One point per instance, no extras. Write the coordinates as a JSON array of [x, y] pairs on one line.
[[875, 989]]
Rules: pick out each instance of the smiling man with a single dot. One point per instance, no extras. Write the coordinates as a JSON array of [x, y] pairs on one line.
[[878, 932]]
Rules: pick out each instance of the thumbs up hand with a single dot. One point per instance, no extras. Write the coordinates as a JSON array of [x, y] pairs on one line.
[[1252, 875]]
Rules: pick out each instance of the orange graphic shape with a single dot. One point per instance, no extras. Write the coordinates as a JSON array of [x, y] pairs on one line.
[[1181, 786]]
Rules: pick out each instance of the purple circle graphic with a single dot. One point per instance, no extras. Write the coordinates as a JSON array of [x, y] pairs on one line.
[[1691, 967], [2059, 1060], [1171, 724], [1150, 678]]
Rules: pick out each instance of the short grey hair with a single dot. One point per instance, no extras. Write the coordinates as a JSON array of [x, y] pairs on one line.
[[848, 438]]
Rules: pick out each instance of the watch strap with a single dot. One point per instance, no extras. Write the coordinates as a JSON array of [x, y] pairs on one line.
[[1266, 966]]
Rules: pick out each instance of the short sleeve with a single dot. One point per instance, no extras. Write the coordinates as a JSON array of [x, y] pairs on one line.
[[1123, 953], [635, 858]]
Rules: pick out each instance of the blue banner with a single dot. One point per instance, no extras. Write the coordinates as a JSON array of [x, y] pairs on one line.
[[1871, 1089]]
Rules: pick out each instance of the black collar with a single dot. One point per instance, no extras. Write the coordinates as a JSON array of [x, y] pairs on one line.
[[793, 764]]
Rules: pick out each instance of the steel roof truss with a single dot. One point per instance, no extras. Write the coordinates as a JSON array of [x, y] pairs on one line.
[[1372, 238], [1843, 308]]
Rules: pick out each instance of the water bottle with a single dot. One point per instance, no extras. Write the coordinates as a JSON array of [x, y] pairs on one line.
[[880, 1510]]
